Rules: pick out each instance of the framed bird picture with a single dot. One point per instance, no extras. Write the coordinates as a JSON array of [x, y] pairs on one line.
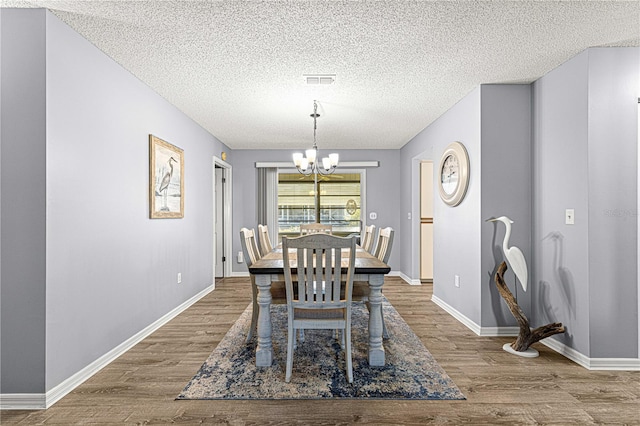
[[166, 179]]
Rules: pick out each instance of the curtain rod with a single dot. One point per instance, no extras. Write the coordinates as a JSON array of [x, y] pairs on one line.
[[289, 165]]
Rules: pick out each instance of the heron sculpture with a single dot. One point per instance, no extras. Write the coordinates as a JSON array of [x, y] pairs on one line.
[[513, 255], [164, 183]]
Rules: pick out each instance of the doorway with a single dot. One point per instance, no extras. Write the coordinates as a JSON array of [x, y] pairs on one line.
[[426, 221], [221, 218]]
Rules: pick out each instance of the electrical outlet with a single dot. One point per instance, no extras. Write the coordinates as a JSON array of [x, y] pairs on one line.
[[456, 280], [373, 215], [240, 257], [179, 277], [569, 217]]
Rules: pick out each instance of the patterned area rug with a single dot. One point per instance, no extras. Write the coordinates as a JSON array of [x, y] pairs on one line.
[[410, 372]]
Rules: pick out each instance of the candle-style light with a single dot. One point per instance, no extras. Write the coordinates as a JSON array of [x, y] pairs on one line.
[[308, 163]]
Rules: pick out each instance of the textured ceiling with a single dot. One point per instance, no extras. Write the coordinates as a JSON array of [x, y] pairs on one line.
[[236, 67]]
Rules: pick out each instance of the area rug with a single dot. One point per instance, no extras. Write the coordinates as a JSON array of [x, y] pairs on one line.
[[410, 372]]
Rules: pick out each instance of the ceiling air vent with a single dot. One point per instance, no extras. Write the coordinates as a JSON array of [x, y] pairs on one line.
[[319, 79]]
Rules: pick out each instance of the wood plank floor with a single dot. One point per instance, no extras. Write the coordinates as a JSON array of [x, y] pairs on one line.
[[140, 386]]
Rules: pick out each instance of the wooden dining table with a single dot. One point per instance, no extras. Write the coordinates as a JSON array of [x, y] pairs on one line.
[[270, 268]]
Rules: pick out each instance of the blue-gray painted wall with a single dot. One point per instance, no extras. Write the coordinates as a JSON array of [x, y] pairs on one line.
[[75, 160], [586, 158], [23, 203]]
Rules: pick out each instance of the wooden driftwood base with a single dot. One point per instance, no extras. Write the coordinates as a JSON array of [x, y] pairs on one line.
[[527, 336]]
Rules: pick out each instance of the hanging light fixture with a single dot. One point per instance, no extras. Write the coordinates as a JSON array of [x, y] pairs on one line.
[[308, 164]]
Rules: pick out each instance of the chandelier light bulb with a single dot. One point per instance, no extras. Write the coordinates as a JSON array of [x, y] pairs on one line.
[[304, 164], [333, 159], [326, 163], [297, 158], [311, 155]]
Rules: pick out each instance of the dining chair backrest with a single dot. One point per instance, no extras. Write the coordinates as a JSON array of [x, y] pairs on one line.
[[313, 228], [384, 244], [319, 264], [368, 238], [320, 302], [265, 241], [249, 246]]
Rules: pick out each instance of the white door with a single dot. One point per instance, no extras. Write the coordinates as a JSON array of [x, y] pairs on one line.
[[219, 223]]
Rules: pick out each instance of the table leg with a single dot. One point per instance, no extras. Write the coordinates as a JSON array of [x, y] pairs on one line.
[[264, 350], [376, 350]]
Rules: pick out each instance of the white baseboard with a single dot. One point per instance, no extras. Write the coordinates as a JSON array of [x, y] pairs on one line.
[[506, 331], [471, 325], [456, 314], [43, 401], [23, 401], [239, 274], [619, 364], [405, 277]]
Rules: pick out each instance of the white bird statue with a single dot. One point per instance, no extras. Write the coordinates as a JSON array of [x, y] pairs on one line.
[[514, 255]]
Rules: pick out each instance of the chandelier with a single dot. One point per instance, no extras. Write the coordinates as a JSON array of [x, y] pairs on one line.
[[308, 164]]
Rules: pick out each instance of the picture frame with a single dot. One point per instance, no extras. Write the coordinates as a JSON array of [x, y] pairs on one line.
[[166, 180]]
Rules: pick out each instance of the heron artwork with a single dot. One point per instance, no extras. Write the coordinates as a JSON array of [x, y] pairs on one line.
[[513, 254], [526, 336], [163, 188]]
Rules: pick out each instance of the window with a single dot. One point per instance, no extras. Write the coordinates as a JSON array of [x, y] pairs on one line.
[[339, 202]]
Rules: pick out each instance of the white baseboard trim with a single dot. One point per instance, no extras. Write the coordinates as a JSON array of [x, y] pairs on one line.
[[22, 401], [506, 331], [456, 314], [43, 401], [405, 277], [239, 274], [618, 364], [471, 325]]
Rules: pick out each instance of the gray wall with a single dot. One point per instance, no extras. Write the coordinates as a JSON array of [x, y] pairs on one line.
[[561, 259], [494, 124], [110, 270], [614, 88], [585, 157], [23, 208], [506, 191], [382, 194], [456, 233]]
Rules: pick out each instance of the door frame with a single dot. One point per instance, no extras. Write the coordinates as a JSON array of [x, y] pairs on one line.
[[226, 212]]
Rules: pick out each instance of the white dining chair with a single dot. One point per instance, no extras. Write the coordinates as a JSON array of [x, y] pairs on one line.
[[251, 256], [368, 238], [265, 241], [382, 252], [323, 299], [313, 228], [384, 243]]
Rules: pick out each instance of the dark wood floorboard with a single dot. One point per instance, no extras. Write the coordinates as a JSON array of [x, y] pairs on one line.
[[140, 386]]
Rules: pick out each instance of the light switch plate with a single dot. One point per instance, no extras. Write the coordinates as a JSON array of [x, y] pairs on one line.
[[569, 217]]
